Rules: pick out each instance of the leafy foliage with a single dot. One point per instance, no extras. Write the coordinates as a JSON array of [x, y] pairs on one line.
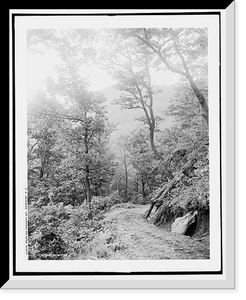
[[185, 141], [72, 174], [64, 231]]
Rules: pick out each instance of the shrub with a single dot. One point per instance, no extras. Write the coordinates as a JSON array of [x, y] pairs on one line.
[[100, 247], [45, 238], [100, 204], [59, 232], [49, 245], [138, 199], [115, 198]]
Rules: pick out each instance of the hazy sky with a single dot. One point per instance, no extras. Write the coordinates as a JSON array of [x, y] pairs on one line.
[[42, 65]]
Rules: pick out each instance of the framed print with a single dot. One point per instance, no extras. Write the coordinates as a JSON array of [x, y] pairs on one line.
[[122, 148]]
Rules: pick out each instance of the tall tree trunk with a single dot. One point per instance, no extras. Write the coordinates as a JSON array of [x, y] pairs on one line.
[[143, 188], [152, 142], [87, 184], [41, 173], [201, 99], [151, 119], [126, 183], [87, 167]]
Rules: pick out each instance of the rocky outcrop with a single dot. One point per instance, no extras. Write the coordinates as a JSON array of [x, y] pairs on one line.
[[186, 224]]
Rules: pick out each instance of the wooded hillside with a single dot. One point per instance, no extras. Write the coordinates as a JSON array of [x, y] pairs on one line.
[[74, 173]]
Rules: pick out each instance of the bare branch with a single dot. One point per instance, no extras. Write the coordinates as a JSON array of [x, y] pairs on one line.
[[112, 129]]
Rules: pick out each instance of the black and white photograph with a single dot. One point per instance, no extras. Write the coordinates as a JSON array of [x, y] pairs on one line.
[[118, 144], [118, 160]]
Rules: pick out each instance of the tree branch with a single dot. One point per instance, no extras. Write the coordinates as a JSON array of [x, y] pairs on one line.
[[30, 150], [67, 117], [162, 58], [112, 130], [113, 64]]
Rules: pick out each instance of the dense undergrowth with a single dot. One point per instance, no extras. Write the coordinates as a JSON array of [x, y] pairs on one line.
[[60, 232], [190, 193]]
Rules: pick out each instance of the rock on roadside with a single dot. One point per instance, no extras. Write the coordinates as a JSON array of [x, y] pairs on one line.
[[182, 224]]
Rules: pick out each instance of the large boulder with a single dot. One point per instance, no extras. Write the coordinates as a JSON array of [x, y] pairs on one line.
[[183, 224]]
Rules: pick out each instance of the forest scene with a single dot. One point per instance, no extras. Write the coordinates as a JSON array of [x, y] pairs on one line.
[[118, 144]]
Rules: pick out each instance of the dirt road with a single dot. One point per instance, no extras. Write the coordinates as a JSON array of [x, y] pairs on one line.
[[134, 237]]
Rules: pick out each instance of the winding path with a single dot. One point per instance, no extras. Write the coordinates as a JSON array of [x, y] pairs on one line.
[[136, 238]]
